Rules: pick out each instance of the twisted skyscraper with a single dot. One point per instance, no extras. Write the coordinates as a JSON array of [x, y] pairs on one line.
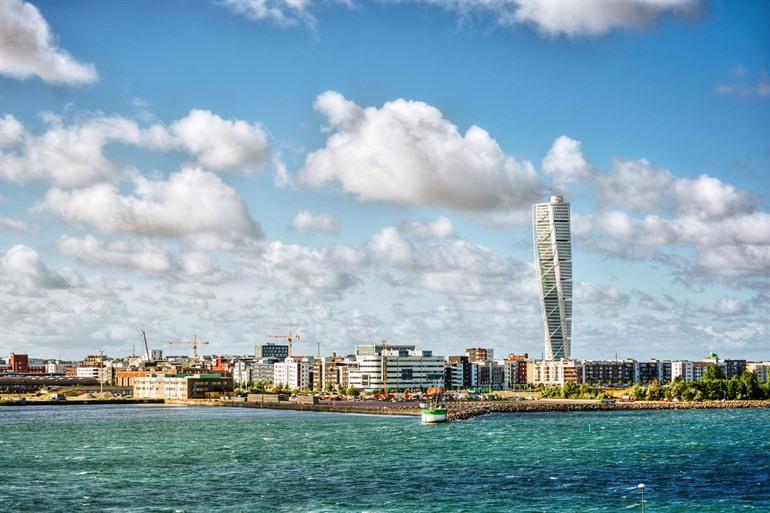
[[553, 257]]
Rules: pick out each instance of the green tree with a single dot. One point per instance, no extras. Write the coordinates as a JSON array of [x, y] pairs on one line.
[[713, 373]]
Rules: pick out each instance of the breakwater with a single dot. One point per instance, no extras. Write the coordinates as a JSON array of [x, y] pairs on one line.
[[353, 407], [467, 410]]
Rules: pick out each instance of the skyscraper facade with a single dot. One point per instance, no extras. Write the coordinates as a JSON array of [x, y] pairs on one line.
[[553, 259]]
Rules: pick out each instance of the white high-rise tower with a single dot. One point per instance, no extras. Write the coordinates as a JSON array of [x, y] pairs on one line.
[[553, 257]]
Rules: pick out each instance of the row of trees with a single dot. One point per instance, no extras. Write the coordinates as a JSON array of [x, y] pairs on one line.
[[712, 386], [265, 387]]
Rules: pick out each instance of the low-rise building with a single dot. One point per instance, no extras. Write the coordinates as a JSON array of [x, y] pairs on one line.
[[293, 372], [395, 367], [181, 386], [761, 369], [553, 372]]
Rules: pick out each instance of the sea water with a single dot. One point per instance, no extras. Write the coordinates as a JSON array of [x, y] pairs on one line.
[[151, 458]]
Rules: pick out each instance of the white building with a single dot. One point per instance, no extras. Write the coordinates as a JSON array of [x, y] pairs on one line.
[[293, 372], [553, 259], [396, 368], [553, 372], [102, 374], [683, 369], [58, 367]]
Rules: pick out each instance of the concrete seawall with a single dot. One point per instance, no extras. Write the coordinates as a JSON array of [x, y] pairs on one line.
[[70, 402], [290, 405]]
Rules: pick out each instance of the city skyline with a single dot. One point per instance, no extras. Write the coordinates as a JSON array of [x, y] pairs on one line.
[[237, 172]]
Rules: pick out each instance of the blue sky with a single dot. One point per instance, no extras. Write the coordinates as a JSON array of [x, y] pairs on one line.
[[178, 118]]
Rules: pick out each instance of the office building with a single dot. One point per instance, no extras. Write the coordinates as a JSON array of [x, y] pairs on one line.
[[480, 354], [277, 351], [395, 367], [553, 259], [181, 386]]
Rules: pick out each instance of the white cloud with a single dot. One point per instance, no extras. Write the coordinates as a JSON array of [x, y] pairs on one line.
[[222, 144], [593, 17], [571, 18], [28, 48], [307, 270], [283, 13], [407, 153], [11, 131], [324, 223], [191, 202], [70, 155], [566, 162], [440, 228], [13, 225], [23, 265], [634, 184], [141, 255], [587, 292]]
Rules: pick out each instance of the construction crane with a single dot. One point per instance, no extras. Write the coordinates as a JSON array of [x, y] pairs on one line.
[[291, 337], [146, 347], [194, 343]]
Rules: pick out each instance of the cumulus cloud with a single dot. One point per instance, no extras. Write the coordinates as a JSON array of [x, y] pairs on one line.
[[565, 161], [67, 154], [28, 48], [23, 266], [71, 152], [407, 153], [587, 292], [191, 202], [220, 143], [571, 18], [440, 228], [140, 255], [307, 221], [307, 270]]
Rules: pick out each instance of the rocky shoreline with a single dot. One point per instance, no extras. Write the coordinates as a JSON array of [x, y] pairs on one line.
[[464, 411]]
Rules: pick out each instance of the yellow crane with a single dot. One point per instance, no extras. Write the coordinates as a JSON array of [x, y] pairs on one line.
[[291, 337], [195, 342]]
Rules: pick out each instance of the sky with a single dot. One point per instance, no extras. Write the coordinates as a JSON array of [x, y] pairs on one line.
[[358, 171]]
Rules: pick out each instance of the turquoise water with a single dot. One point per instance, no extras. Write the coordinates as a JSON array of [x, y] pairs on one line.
[[172, 459]]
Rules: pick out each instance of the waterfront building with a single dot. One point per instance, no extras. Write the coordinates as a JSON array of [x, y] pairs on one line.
[[761, 369], [553, 260], [97, 372], [553, 372], [607, 372], [156, 355], [58, 367], [682, 369], [459, 373], [330, 373], [182, 386], [277, 351], [294, 372], [126, 378], [402, 366], [241, 371], [19, 363], [653, 370], [480, 354]]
